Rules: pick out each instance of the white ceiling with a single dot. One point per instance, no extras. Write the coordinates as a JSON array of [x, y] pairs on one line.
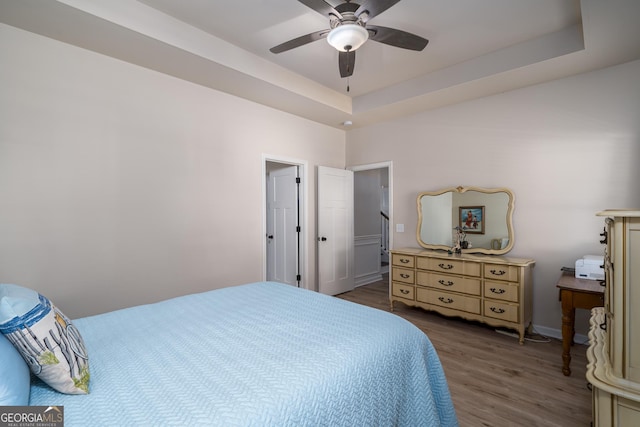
[[476, 48], [458, 30]]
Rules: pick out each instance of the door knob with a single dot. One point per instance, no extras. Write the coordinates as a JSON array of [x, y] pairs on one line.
[[322, 239], [270, 236]]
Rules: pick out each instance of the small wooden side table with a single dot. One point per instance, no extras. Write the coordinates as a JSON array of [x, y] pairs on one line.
[[575, 293]]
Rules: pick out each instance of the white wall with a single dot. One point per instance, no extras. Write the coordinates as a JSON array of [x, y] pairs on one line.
[[567, 149], [120, 185]]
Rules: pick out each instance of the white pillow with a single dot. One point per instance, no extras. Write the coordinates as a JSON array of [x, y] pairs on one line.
[[47, 340]]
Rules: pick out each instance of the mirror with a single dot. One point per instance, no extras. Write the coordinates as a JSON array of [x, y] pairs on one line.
[[483, 214]]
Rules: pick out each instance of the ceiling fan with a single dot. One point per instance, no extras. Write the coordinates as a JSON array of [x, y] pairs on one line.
[[349, 30]]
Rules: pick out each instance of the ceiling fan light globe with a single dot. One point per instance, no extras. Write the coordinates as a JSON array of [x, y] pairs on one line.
[[347, 37]]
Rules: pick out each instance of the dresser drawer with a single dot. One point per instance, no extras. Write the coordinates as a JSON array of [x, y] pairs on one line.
[[501, 290], [403, 291], [403, 260], [501, 272], [447, 282], [451, 266], [403, 275], [449, 300], [501, 310]]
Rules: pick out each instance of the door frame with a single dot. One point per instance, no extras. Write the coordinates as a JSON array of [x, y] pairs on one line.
[[303, 261]]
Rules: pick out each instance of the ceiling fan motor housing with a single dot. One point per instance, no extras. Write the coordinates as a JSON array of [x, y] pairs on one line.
[[347, 36]]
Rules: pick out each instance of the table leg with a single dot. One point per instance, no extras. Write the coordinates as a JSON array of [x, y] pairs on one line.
[[568, 320]]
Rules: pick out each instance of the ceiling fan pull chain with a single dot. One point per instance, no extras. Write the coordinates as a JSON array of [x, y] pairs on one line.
[[347, 84]]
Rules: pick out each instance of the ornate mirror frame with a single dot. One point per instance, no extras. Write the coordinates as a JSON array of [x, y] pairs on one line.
[[448, 208]]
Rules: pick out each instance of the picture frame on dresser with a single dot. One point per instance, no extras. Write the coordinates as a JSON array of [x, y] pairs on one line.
[[471, 219]]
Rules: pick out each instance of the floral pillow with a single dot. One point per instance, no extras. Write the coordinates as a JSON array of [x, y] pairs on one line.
[[47, 340]]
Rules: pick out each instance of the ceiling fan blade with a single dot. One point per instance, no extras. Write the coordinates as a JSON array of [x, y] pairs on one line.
[[299, 41], [322, 7], [374, 7], [346, 62], [397, 38]]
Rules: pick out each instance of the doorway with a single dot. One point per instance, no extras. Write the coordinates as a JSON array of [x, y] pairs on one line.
[[284, 221], [373, 216], [370, 267]]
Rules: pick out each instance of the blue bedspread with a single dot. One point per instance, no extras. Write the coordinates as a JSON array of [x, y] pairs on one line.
[[263, 354]]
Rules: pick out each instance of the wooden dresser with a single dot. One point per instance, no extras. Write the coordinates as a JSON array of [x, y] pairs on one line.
[[491, 289], [613, 355]]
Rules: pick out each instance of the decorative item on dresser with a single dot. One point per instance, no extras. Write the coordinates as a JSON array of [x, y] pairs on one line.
[[490, 289], [613, 355]]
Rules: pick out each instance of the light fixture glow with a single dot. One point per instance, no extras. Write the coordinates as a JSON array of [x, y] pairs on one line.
[[347, 37]]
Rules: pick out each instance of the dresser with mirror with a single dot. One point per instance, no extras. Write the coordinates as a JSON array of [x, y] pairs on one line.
[[460, 268]]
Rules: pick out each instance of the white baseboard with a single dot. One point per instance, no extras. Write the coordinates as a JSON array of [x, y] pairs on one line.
[[368, 278]]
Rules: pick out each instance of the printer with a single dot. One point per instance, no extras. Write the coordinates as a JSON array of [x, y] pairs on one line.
[[590, 267]]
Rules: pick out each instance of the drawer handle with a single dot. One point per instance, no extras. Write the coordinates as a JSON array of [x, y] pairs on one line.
[[498, 272], [447, 283], [404, 260], [605, 235], [445, 300], [445, 266], [404, 276], [497, 310], [497, 291], [404, 291]]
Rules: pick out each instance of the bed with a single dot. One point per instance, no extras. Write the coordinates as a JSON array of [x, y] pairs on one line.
[[261, 354]]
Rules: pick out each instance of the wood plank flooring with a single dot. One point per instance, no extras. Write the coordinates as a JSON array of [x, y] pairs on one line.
[[493, 380]]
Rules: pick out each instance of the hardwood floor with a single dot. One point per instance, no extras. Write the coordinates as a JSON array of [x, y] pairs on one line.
[[493, 380]]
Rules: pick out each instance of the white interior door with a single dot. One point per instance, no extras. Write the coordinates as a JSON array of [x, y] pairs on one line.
[[283, 225], [335, 230]]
